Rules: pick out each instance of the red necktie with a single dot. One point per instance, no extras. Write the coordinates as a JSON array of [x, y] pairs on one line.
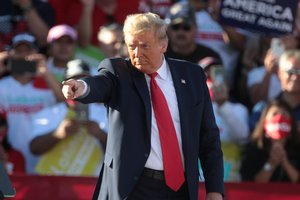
[[173, 168]]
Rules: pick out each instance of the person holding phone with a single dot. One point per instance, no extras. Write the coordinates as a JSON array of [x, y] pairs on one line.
[[263, 82], [22, 94], [26, 64], [74, 123], [231, 117]]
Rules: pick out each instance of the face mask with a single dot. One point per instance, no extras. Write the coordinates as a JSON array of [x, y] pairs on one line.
[[278, 127]]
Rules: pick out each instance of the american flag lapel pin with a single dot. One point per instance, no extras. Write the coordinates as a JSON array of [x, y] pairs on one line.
[[183, 81]]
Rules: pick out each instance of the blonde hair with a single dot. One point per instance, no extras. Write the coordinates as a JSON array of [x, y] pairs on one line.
[[284, 58], [144, 22]]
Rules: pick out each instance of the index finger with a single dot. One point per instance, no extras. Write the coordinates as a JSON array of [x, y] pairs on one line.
[[69, 82]]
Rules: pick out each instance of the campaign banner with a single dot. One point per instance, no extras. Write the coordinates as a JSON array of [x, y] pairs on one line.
[[269, 17]]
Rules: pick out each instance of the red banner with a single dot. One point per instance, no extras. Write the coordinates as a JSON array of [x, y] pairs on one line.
[[81, 188]]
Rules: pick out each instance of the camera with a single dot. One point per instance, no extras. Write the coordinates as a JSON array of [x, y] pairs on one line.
[[217, 74]]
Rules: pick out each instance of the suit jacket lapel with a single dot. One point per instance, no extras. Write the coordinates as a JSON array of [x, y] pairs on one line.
[[143, 91], [181, 84]]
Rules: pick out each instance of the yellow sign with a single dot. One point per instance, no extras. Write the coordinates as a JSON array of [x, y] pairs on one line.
[[79, 155]]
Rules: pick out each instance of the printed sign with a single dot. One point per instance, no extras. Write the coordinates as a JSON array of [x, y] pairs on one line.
[[78, 155], [270, 17]]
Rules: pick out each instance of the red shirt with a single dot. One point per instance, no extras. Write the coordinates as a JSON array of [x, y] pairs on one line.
[[69, 12], [61, 10]]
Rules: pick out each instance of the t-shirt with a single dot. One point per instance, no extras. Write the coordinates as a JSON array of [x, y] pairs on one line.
[[58, 72], [232, 121], [256, 76], [66, 158], [210, 34], [199, 53], [20, 102]]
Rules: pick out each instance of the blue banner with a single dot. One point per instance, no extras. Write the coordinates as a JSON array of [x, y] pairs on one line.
[[270, 17]]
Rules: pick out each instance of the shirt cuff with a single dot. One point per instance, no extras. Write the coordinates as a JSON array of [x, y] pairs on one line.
[[86, 90]]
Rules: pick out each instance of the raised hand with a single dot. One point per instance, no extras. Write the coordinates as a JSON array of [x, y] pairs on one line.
[[66, 128], [277, 153], [40, 59], [3, 58], [271, 62], [22, 3]]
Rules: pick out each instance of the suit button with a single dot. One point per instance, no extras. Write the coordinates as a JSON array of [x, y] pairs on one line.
[[146, 155], [136, 178]]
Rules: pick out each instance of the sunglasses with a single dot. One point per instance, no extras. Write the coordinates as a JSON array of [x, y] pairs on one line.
[[293, 71], [185, 27]]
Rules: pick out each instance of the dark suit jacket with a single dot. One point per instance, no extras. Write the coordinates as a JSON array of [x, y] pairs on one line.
[[124, 90]]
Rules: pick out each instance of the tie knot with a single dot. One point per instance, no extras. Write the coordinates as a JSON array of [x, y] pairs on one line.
[[153, 75]]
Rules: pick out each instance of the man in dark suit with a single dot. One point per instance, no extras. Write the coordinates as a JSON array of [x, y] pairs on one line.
[[137, 161]]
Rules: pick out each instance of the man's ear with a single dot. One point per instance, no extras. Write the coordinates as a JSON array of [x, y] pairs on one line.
[[164, 46]]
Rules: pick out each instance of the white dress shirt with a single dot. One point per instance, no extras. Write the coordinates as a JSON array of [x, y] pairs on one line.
[[165, 82]]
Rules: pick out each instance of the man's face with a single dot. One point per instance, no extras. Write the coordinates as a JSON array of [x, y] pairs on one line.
[[21, 51], [146, 51], [63, 49], [182, 35], [289, 76], [111, 43]]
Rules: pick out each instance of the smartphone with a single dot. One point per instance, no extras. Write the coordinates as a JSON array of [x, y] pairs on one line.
[[81, 111], [21, 66], [277, 47], [217, 74]]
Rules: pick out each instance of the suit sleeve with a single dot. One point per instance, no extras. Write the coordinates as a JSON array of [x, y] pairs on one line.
[[210, 153], [102, 85]]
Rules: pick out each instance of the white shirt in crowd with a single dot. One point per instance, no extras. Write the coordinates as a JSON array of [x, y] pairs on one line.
[[20, 102], [257, 75]]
